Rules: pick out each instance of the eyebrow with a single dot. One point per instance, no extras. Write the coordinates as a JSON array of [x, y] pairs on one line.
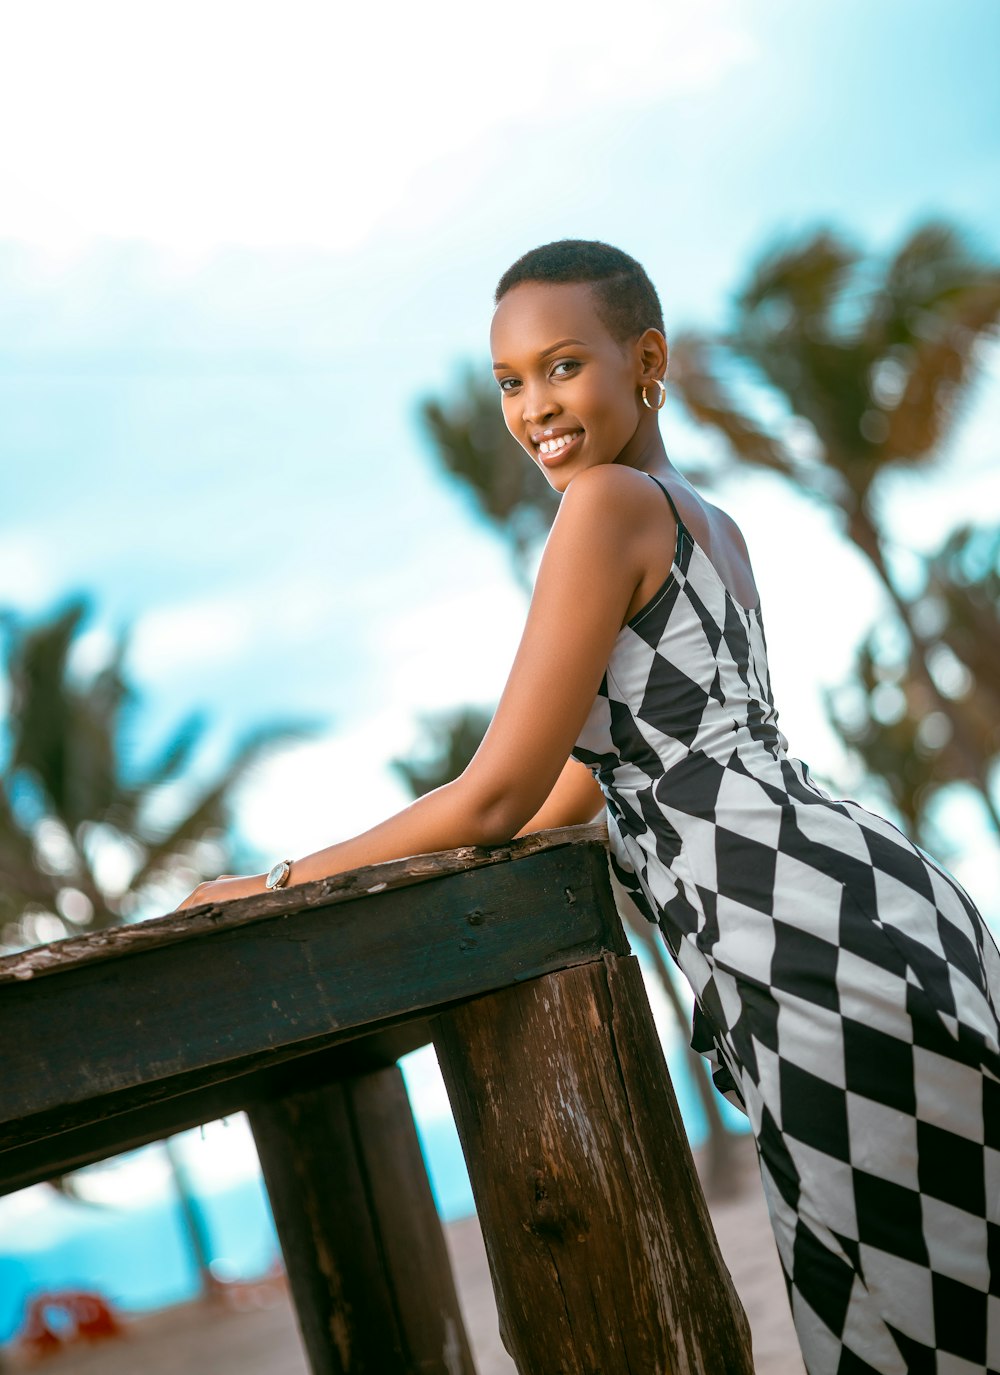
[[552, 348]]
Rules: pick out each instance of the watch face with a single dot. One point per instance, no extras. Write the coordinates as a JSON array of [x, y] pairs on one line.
[[276, 874]]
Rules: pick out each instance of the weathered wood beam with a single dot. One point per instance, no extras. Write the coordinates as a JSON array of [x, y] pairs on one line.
[[125, 1121], [153, 1020], [114, 941], [600, 1245], [363, 1246]]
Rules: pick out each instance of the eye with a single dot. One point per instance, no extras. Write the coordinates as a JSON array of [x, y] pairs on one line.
[[503, 383], [570, 363]]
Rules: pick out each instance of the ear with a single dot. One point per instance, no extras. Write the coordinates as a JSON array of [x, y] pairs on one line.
[[651, 354]]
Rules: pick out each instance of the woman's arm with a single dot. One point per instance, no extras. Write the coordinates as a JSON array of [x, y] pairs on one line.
[[440, 820], [586, 577], [576, 798]]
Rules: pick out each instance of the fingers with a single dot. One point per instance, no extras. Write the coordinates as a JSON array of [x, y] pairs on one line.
[[193, 898]]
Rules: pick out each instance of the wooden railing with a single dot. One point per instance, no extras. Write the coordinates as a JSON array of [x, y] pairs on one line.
[[295, 1006]]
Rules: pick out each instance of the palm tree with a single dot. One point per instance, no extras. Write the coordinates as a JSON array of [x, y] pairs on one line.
[[72, 798], [473, 445], [877, 364], [886, 714]]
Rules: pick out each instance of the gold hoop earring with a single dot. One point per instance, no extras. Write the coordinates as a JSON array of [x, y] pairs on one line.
[[660, 399]]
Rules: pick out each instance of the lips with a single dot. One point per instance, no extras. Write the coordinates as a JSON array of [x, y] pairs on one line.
[[555, 444]]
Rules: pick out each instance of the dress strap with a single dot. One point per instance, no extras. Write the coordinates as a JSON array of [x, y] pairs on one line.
[[677, 514]]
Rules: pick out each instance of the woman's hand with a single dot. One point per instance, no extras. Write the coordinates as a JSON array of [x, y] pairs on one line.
[[224, 889]]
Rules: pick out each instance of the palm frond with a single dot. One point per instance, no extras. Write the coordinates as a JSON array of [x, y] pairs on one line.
[[471, 441], [704, 397], [452, 737], [942, 361], [176, 755], [794, 286], [211, 811], [40, 700]]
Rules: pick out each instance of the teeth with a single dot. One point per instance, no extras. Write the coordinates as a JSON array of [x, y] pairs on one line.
[[551, 446]]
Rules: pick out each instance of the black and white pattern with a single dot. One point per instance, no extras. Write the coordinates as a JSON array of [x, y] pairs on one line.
[[846, 988]]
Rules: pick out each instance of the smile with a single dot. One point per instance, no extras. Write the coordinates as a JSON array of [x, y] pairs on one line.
[[554, 450]]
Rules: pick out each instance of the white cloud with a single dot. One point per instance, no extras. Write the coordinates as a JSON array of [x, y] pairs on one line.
[[30, 572], [314, 794], [173, 639], [91, 651], [207, 121], [458, 648], [285, 608]]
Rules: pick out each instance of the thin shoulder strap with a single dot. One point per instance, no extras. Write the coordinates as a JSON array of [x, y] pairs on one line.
[[677, 514]]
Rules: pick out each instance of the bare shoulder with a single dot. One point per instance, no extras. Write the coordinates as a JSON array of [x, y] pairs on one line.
[[602, 525], [710, 524], [611, 490], [610, 477], [726, 546], [727, 525]]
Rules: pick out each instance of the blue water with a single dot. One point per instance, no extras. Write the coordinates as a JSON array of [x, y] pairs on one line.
[[138, 1257]]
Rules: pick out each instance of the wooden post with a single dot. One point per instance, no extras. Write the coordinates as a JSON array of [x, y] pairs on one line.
[[601, 1249], [365, 1253]]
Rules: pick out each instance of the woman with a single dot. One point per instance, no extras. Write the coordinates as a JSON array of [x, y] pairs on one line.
[[846, 988]]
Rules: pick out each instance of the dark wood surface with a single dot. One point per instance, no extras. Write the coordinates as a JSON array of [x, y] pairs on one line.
[[326, 892], [153, 1117], [363, 1246], [117, 1024], [295, 1005], [601, 1249]]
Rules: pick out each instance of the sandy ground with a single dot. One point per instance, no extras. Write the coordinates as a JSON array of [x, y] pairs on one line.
[[208, 1339]]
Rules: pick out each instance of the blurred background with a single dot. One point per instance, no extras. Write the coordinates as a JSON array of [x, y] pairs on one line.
[[265, 546]]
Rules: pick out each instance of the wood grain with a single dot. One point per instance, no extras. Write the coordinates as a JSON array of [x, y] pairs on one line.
[[57, 1141], [363, 1246], [601, 1249], [144, 1021], [116, 941]]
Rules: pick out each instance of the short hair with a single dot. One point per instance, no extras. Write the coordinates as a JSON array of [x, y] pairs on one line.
[[626, 299]]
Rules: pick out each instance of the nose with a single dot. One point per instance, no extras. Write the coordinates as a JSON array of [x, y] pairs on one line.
[[539, 405]]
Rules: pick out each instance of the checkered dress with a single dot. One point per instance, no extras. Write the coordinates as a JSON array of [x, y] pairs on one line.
[[846, 988]]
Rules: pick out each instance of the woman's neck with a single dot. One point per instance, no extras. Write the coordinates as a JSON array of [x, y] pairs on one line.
[[645, 449]]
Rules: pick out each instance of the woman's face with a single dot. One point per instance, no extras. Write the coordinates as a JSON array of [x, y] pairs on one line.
[[569, 389]]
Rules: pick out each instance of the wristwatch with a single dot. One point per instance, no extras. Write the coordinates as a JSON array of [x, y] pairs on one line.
[[278, 874]]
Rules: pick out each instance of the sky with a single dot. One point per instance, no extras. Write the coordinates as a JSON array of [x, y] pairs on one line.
[[240, 243]]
